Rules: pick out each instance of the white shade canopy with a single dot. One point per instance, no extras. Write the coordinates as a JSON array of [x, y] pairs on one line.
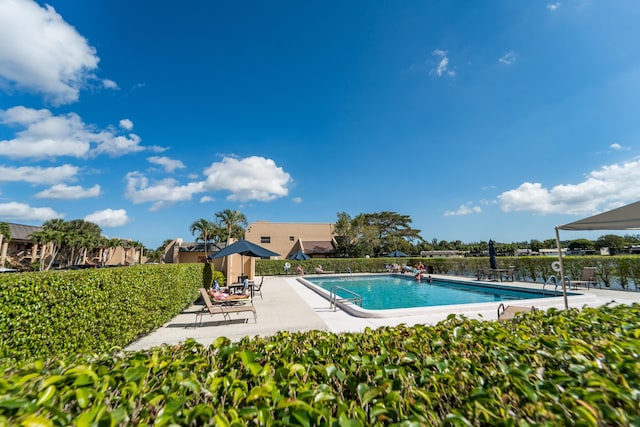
[[622, 218]]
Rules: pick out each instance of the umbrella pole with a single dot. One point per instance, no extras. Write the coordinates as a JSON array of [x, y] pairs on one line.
[[564, 286]]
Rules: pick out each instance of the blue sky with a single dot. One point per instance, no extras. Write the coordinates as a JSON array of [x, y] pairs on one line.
[[480, 120]]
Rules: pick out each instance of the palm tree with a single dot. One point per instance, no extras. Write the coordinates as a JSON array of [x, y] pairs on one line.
[[88, 244], [51, 242], [233, 223], [206, 230], [111, 245], [137, 255]]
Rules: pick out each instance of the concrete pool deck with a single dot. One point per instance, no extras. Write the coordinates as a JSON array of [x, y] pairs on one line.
[[288, 305]]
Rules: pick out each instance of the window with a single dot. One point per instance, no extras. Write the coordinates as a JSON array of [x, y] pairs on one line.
[[265, 239], [292, 238]]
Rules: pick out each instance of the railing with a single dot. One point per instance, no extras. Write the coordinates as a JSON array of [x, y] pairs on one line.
[[334, 299], [556, 283]]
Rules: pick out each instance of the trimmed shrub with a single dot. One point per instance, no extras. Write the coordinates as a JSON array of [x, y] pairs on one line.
[[92, 310], [543, 368]]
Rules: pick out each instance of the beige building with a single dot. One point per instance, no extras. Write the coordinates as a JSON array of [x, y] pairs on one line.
[[286, 238], [20, 249]]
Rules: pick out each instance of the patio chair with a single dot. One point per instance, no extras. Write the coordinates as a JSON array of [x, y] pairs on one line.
[[510, 311], [256, 288], [509, 274], [588, 278], [319, 270], [224, 308]]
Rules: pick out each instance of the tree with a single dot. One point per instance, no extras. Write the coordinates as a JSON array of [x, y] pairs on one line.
[[580, 244], [233, 223], [51, 241], [111, 245], [376, 233], [344, 234], [535, 245], [138, 248], [614, 242], [205, 229]]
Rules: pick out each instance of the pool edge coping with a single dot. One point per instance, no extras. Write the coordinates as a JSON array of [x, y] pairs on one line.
[[458, 309]]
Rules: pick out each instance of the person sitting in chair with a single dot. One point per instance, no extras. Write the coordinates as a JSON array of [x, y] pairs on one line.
[[299, 270], [321, 271], [245, 286], [223, 296]]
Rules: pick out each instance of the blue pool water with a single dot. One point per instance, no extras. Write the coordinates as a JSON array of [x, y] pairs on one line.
[[382, 292]]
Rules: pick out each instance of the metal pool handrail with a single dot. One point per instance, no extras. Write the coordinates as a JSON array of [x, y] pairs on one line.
[[334, 300], [555, 281]]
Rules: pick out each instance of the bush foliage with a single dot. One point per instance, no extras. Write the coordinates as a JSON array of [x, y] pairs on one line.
[[92, 310], [543, 368]]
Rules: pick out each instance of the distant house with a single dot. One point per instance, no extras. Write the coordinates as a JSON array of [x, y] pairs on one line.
[[179, 251], [525, 252], [552, 252], [20, 249], [442, 254]]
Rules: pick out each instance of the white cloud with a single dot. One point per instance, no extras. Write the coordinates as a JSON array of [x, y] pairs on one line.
[[38, 175], [553, 6], [41, 53], [251, 178], [162, 193], [464, 210], [443, 64], [206, 199], [168, 164], [108, 218], [66, 192], [297, 200], [109, 84], [609, 187], [126, 124], [22, 212], [508, 58], [48, 136]]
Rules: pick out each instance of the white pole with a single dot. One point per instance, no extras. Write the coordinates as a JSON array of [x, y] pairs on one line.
[[564, 286]]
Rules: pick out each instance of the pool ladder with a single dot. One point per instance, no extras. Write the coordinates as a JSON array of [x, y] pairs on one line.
[[555, 282], [334, 299]]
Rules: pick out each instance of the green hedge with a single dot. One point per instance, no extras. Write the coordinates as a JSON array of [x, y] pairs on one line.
[[577, 368], [92, 310], [620, 271]]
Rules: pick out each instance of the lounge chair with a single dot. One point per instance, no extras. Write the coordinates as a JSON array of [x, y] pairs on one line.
[[319, 270], [223, 308], [510, 311], [588, 278], [256, 288]]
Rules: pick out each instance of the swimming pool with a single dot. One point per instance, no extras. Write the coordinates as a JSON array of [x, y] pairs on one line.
[[390, 292]]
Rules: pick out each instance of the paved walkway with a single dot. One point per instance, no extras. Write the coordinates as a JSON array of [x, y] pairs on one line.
[[289, 305]]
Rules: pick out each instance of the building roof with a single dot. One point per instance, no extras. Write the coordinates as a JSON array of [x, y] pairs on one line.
[[22, 232], [318, 247], [199, 247]]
